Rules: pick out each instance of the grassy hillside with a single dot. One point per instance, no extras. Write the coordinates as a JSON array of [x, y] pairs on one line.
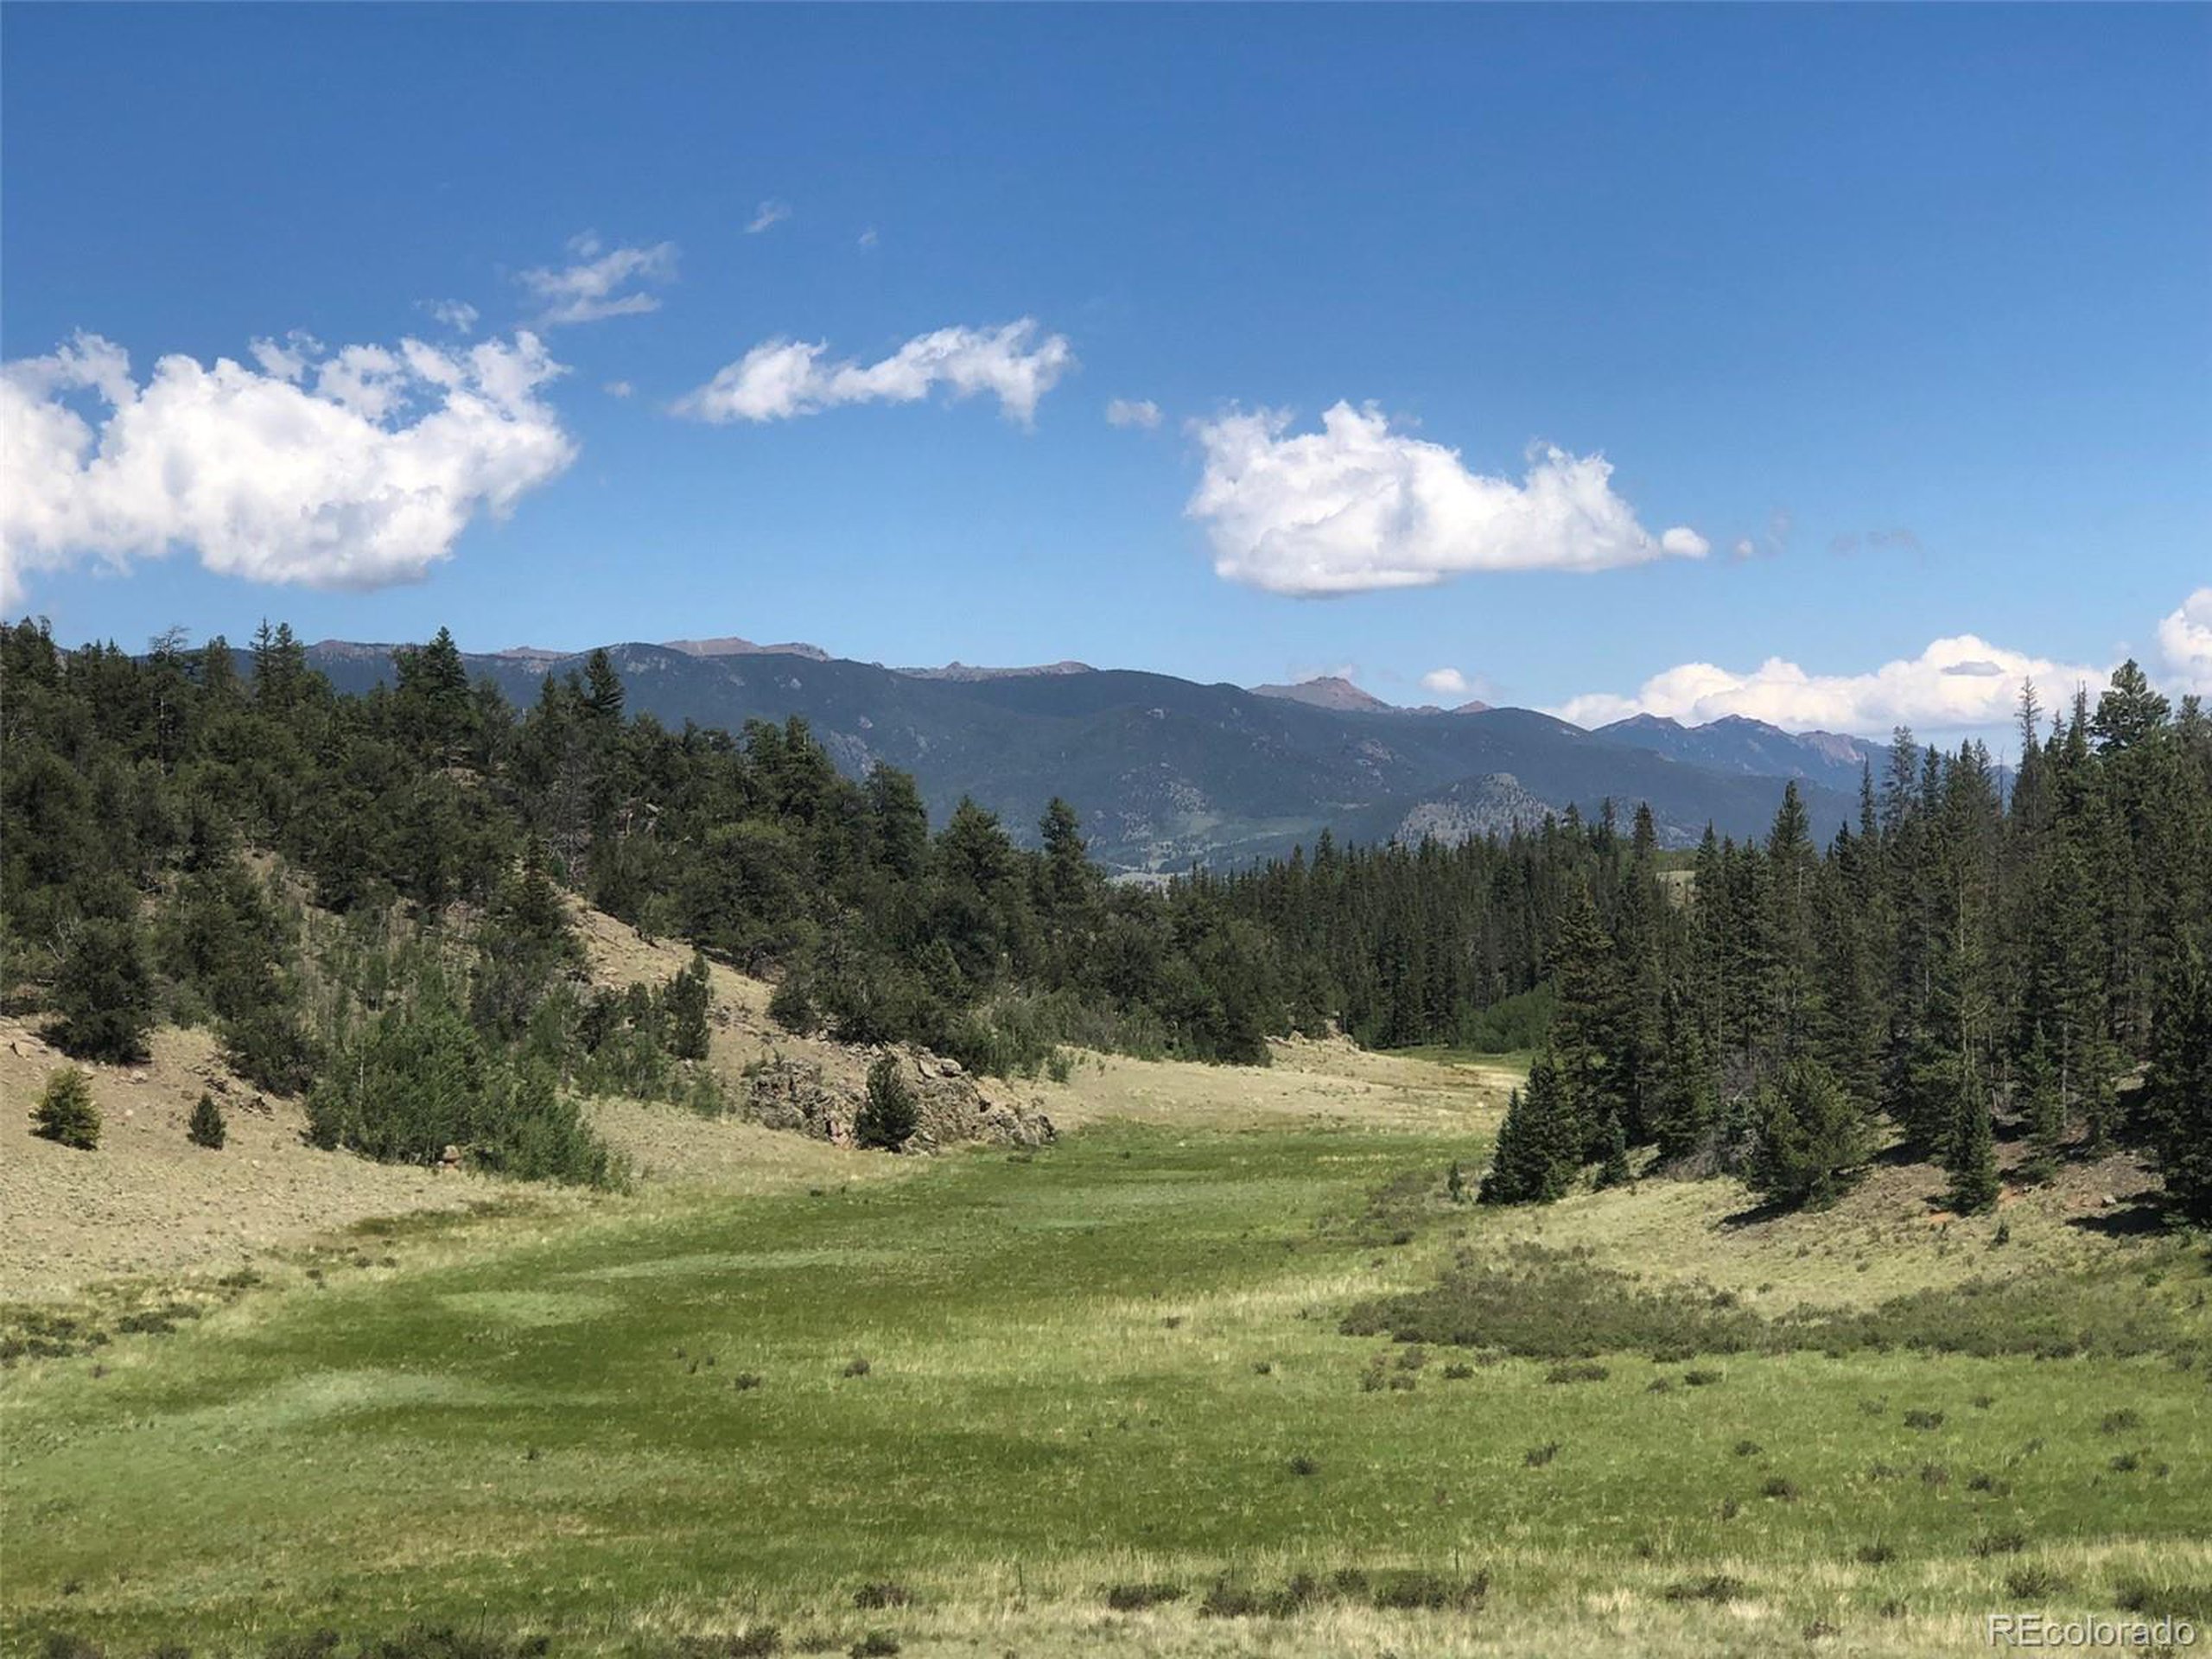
[[1108, 1405]]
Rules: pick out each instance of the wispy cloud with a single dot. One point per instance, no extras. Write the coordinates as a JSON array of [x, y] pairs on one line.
[[869, 238], [780, 378], [769, 214], [618, 388], [456, 314], [1139, 412], [1771, 542], [351, 469], [1899, 539], [605, 282], [1356, 507]]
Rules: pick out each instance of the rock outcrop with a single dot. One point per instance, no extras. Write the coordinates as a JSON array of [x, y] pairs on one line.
[[810, 1097]]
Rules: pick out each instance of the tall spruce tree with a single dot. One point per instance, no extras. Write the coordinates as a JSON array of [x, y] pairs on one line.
[[1540, 1144], [2178, 1091]]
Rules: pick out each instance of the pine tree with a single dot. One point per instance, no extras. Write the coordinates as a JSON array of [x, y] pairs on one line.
[[889, 1114], [1539, 1145], [602, 688], [1972, 1160], [688, 996], [65, 1112], [103, 992], [1686, 1094], [1586, 1029], [1783, 951], [206, 1127], [2036, 1083], [2178, 1095], [1613, 1168], [1812, 1139]]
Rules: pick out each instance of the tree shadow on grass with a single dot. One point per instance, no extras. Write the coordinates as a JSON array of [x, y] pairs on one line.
[[2134, 1216]]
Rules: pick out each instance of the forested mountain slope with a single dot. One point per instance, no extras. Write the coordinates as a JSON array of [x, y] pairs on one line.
[[1161, 771]]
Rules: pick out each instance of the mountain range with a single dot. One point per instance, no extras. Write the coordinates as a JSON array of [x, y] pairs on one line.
[[1164, 772]]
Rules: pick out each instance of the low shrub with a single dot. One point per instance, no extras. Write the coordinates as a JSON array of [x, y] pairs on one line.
[[1579, 1370], [1412, 1591], [2033, 1583], [1720, 1587], [1135, 1598], [2154, 1599]]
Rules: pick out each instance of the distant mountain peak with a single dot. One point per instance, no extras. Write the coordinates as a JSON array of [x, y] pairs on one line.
[[731, 645], [1328, 691], [1477, 707], [1738, 743], [960, 670]]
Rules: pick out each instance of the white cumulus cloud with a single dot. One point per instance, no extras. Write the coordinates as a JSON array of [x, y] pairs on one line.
[[2185, 642], [1960, 684], [769, 214], [1445, 683], [1133, 411], [351, 468], [780, 378], [1356, 507], [603, 282]]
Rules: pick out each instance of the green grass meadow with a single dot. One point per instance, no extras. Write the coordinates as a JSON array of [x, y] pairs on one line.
[[1115, 1363]]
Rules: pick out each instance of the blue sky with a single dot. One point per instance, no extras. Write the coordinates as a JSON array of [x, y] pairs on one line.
[[1899, 312]]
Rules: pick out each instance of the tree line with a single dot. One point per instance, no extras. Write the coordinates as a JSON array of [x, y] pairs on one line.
[[360, 892], [1963, 961]]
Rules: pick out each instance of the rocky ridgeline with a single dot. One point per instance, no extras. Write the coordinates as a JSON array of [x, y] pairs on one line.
[[785, 1092]]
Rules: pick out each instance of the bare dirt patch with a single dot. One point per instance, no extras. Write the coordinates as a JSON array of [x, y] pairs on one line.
[[148, 1199]]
